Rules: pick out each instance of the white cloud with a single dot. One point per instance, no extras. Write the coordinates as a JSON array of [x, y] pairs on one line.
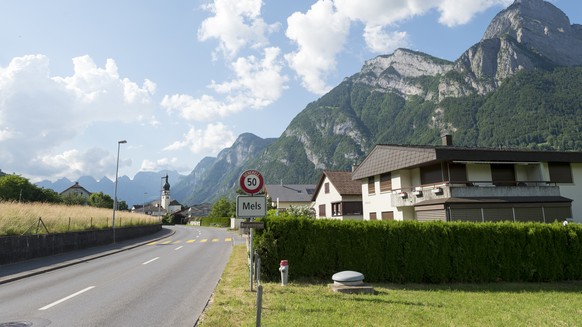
[[160, 164], [213, 139], [236, 24], [40, 113], [257, 83], [320, 35], [381, 41], [459, 12]]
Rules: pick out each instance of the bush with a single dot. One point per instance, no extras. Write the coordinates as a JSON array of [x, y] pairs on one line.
[[422, 252]]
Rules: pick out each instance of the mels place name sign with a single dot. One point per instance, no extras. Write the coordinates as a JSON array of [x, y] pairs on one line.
[[251, 206]]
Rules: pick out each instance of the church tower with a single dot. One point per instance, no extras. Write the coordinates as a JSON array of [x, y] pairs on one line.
[[166, 195]]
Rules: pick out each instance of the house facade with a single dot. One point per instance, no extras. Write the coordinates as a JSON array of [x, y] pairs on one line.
[[337, 196], [447, 183], [76, 190], [285, 196]]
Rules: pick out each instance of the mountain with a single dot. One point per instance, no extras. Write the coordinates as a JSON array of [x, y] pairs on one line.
[[144, 187], [518, 87], [214, 177]]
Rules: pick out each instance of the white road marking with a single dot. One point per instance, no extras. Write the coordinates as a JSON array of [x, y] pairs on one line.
[[65, 298], [178, 248], [152, 260]]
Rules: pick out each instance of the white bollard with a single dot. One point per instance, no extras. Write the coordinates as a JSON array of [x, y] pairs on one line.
[[284, 269]]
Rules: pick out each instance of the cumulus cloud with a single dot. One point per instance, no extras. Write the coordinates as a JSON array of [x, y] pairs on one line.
[[320, 35], [235, 24], [39, 113], [160, 164], [258, 82], [214, 138]]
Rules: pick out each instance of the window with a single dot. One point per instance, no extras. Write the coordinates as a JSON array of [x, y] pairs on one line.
[[386, 182], [352, 208], [322, 210], [371, 186], [503, 174], [326, 187], [336, 209], [387, 215], [431, 174], [560, 172], [458, 173], [372, 216]]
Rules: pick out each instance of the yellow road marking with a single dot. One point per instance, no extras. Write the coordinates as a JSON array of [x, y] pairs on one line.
[[214, 240], [166, 242], [176, 242], [203, 241], [228, 239], [190, 241]]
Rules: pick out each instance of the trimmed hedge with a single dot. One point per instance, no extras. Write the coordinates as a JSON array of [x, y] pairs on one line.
[[215, 222], [412, 251]]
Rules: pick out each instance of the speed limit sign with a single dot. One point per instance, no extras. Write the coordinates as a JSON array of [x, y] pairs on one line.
[[251, 181]]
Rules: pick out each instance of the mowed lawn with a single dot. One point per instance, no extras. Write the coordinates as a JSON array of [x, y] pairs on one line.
[[314, 304]]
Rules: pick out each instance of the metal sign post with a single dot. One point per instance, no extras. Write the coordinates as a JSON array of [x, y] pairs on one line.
[[250, 206]]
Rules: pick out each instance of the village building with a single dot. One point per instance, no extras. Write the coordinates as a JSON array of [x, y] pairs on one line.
[[285, 196], [337, 196], [76, 190], [448, 183]]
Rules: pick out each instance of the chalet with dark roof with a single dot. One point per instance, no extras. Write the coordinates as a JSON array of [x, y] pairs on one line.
[[337, 196], [284, 196], [77, 190], [448, 183]]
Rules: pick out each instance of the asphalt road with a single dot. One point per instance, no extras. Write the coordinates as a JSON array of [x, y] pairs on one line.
[[167, 282]]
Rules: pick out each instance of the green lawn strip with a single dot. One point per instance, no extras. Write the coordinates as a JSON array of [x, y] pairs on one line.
[[314, 304]]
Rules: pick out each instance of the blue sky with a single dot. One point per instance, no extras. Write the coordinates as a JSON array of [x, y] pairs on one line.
[[180, 80]]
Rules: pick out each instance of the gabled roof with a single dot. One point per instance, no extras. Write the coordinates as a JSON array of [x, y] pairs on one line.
[[76, 187], [342, 181], [290, 192], [386, 158]]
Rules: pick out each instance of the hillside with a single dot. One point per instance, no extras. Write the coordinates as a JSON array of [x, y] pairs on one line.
[[516, 87]]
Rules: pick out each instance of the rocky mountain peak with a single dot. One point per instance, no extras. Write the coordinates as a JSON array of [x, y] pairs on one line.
[[406, 63], [542, 28]]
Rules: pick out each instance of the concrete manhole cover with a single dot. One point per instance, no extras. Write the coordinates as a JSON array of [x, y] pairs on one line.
[[16, 324]]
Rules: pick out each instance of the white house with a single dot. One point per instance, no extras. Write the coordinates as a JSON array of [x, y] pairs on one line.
[[337, 196], [450, 183]]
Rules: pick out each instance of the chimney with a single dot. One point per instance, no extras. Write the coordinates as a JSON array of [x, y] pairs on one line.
[[447, 140]]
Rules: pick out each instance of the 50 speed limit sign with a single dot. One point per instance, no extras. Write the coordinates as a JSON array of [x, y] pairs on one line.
[[251, 181]]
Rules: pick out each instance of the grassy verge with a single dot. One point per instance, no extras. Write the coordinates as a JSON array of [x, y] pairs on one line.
[[23, 218], [314, 304]]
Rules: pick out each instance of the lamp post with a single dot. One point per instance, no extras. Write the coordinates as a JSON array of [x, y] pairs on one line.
[[115, 192]]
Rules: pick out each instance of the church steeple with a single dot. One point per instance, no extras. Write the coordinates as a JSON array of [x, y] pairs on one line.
[[165, 202]]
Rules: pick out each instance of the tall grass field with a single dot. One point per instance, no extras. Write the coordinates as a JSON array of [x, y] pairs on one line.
[[43, 218]]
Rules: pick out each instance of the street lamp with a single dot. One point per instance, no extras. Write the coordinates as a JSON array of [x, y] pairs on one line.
[[115, 192]]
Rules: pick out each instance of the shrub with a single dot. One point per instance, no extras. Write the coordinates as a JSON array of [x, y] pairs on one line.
[[412, 251]]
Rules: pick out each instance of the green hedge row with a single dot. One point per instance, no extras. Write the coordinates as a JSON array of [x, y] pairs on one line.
[[215, 222], [421, 252]]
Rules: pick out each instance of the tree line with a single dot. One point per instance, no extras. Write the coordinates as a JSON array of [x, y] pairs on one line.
[[19, 189]]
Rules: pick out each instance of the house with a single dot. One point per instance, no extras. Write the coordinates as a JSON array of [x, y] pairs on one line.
[[337, 196], [284, 196], [77, 190], [449, 183]]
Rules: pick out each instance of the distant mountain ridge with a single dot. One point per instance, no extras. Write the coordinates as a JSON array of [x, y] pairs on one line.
[[516, 87], [144, 187]]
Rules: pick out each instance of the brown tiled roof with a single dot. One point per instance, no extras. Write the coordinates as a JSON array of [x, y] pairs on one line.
[[342, 181], [386, 158]]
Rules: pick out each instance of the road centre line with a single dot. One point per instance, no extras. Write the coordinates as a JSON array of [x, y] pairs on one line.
[[65, 298], [178, 248], [152, 260]]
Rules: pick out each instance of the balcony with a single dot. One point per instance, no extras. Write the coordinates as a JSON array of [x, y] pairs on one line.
[[413, 195]]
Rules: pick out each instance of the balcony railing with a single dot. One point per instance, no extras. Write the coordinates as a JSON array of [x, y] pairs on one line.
[[411, 195]]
